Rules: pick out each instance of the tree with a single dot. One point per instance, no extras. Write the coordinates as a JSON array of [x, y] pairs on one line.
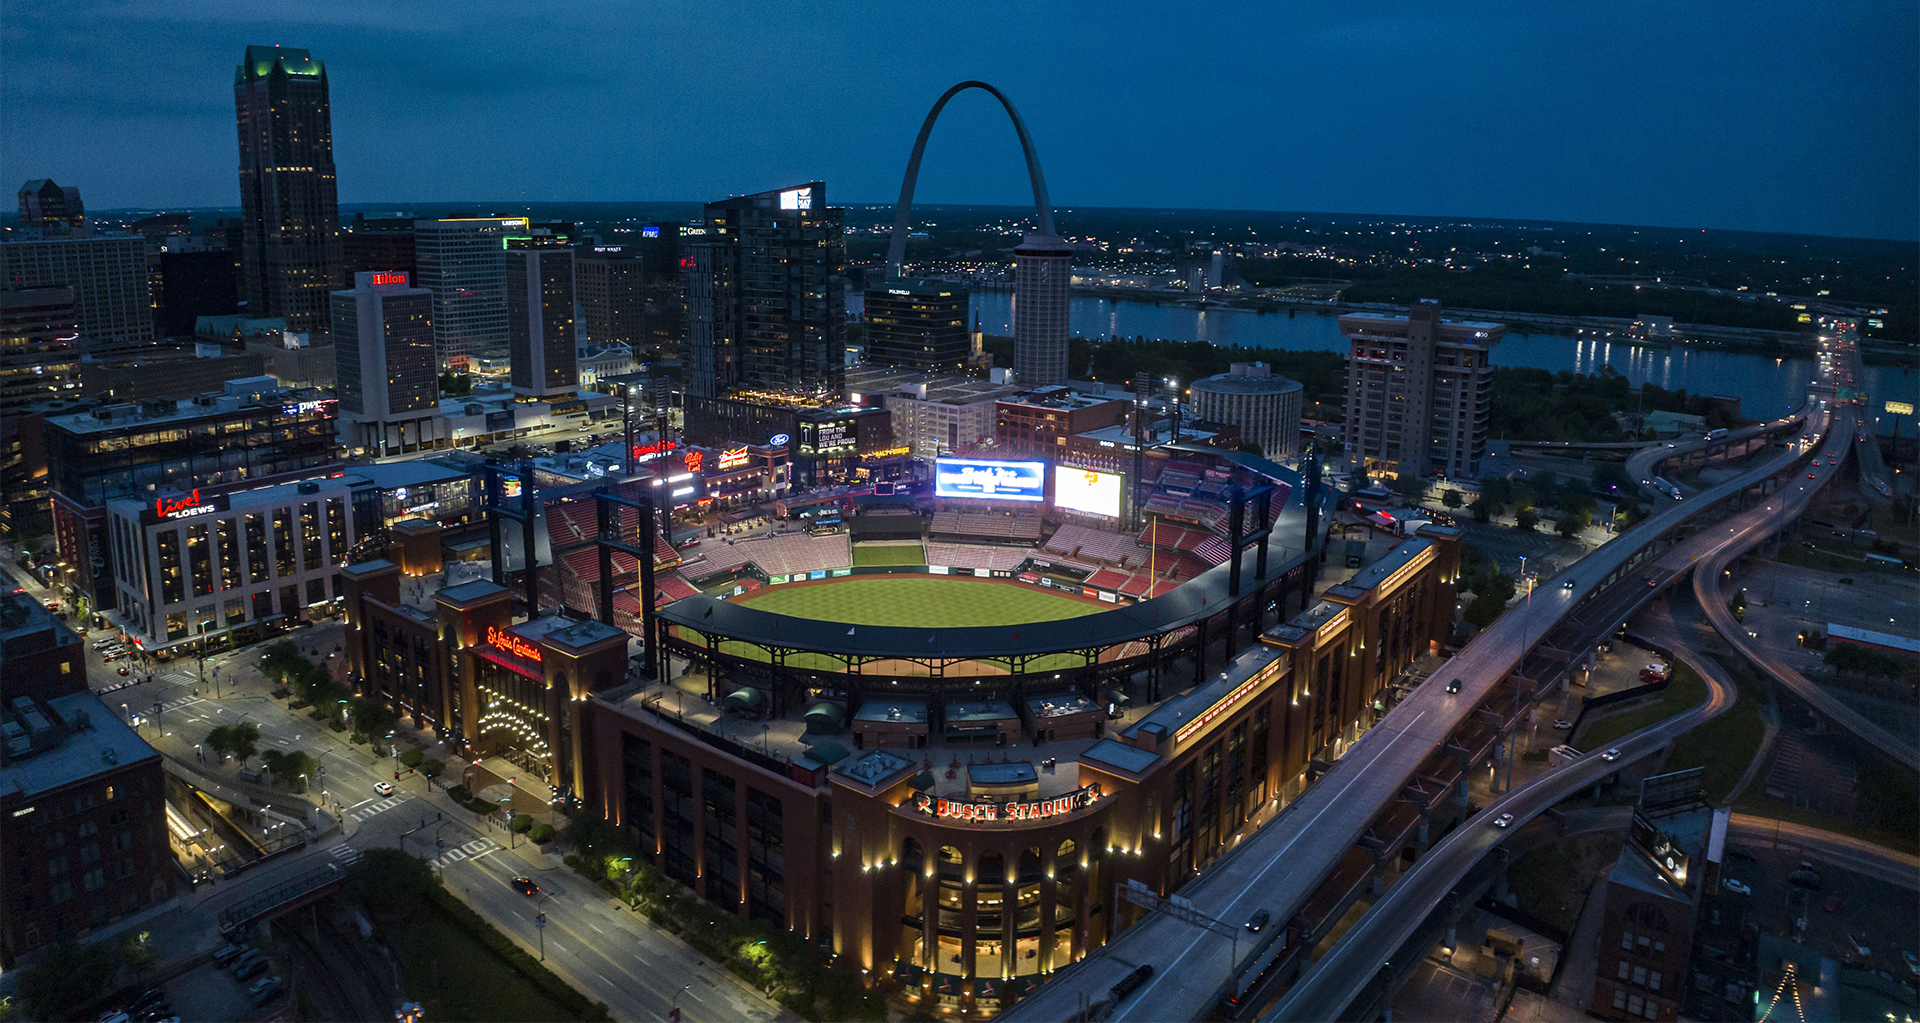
[[1499, 490], [389, 882], [1498, 585], [1526, 519], [237, 741], [66, 979], [372, 718], [1738, 605], [1611, 478], [1568, 526], [282, 661], [1482, 511], [288, 766], [1484, 609], [1411, 488], [1451, 498]]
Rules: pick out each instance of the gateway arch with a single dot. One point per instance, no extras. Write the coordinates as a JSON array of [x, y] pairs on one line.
[[1042, 263]]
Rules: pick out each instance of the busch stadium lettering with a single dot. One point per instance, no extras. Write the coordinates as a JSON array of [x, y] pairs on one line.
[[934, 806]]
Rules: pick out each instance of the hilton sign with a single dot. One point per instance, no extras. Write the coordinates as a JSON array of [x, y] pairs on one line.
[[979, 813]]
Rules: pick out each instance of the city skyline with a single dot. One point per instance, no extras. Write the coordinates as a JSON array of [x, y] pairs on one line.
[[1688, 119]]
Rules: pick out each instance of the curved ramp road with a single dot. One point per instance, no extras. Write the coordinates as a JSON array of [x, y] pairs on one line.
[[1280, 865]]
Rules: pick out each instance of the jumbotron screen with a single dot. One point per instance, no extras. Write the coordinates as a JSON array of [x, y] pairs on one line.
[[1083, 490], [990, 480]]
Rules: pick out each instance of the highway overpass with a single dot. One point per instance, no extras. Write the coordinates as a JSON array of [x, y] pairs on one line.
[[1335, 980], [1280, 866]]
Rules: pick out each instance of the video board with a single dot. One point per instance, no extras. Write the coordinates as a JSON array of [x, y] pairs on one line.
[[1084, 490], [989, 480]]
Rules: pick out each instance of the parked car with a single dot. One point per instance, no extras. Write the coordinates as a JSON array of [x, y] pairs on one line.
[[250, 967], [1562, 723], [1736, 887], [263, 990], [225, 953]]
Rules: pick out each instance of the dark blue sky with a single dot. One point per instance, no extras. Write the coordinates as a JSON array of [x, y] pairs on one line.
[[1787, 116]]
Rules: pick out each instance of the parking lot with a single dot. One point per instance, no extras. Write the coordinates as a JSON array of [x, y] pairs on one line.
[[1884, 917]]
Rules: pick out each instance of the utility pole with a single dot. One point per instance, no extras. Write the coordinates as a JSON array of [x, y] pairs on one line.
[[1520, 672]]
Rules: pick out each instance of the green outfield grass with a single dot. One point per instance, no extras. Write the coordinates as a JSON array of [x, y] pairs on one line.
[[928, 601], [901, 554]]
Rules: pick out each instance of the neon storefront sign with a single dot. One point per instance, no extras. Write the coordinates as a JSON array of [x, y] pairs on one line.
[[388, 278], [181, 507], [993, 813], [733, 458], [507, 642]]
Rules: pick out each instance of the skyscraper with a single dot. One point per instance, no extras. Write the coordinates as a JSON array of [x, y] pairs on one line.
[[1042, 285], [39, 349], [108, 275], [918, 324], [289, 206], [384, 366], [766, 295], [462, 260], [540, 337], [1418, 389], [48, 209], [612, 293]]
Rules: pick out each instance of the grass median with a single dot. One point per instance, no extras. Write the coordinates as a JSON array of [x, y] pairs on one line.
[[1683, 693], [1726, 744]]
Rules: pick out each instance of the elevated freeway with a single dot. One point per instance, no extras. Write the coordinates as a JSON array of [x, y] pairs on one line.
[[1333, 982], [1281, 865], [1650, 461]]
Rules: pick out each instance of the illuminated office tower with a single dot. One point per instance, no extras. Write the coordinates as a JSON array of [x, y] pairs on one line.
[[289, 206]]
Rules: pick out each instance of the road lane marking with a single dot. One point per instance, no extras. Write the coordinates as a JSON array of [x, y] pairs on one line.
[[596, 927]]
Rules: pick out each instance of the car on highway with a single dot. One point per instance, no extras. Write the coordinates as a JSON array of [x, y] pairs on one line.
[[1649, 581], [1737, 887], [1568, 585], [1503, 820], [1813, 476], [384, 788], [1258, 921], [1610, 755], [1453, 686], [525, 885]]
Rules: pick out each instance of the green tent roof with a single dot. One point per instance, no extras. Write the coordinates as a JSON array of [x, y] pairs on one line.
[[828, 752], [746, 698]]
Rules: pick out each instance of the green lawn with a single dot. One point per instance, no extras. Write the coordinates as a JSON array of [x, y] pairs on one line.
[[921, 601], [1728, 743], [901, 554], [457, 977], [1552, 884], [1687, 690]]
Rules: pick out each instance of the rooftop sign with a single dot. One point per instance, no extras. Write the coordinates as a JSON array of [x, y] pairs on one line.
[[1025, 810]]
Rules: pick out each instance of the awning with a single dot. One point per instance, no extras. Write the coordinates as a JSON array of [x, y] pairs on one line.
[[923, 781], [825, 718], [745, 699], [828, 752], [1118, 698]]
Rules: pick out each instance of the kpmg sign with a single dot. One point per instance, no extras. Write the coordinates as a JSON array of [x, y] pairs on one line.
[[994, 813], [990, 480]]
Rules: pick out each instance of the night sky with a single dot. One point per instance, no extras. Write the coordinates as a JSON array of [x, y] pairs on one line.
[[1775, 116]]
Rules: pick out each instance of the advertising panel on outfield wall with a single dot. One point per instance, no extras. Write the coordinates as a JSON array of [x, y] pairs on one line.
[[1083, 490], [990, 480]]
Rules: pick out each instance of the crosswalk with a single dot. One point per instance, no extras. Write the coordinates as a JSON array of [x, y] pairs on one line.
[[471, 851], [378, 807], [176, 678], [345, 856]]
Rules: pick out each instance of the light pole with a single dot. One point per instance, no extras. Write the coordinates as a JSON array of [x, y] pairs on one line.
[[1520, 674], [540, 922]]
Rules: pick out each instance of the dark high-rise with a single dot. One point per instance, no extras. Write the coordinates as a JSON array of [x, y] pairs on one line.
[[918, 324], [612, 287], [1042, 290], [289, 206], [48, 209], [766, 303], [541, 352]]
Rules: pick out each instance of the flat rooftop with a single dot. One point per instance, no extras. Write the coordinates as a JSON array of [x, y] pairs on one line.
[[97, 742]]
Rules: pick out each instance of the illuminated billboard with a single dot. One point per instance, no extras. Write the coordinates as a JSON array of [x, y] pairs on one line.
[[1083, 490], [990, 480], [797, 199]]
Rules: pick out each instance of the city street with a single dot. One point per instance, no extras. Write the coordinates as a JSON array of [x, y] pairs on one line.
[[609, 953]]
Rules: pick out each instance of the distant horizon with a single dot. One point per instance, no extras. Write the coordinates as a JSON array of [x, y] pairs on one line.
[[401, 206]]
